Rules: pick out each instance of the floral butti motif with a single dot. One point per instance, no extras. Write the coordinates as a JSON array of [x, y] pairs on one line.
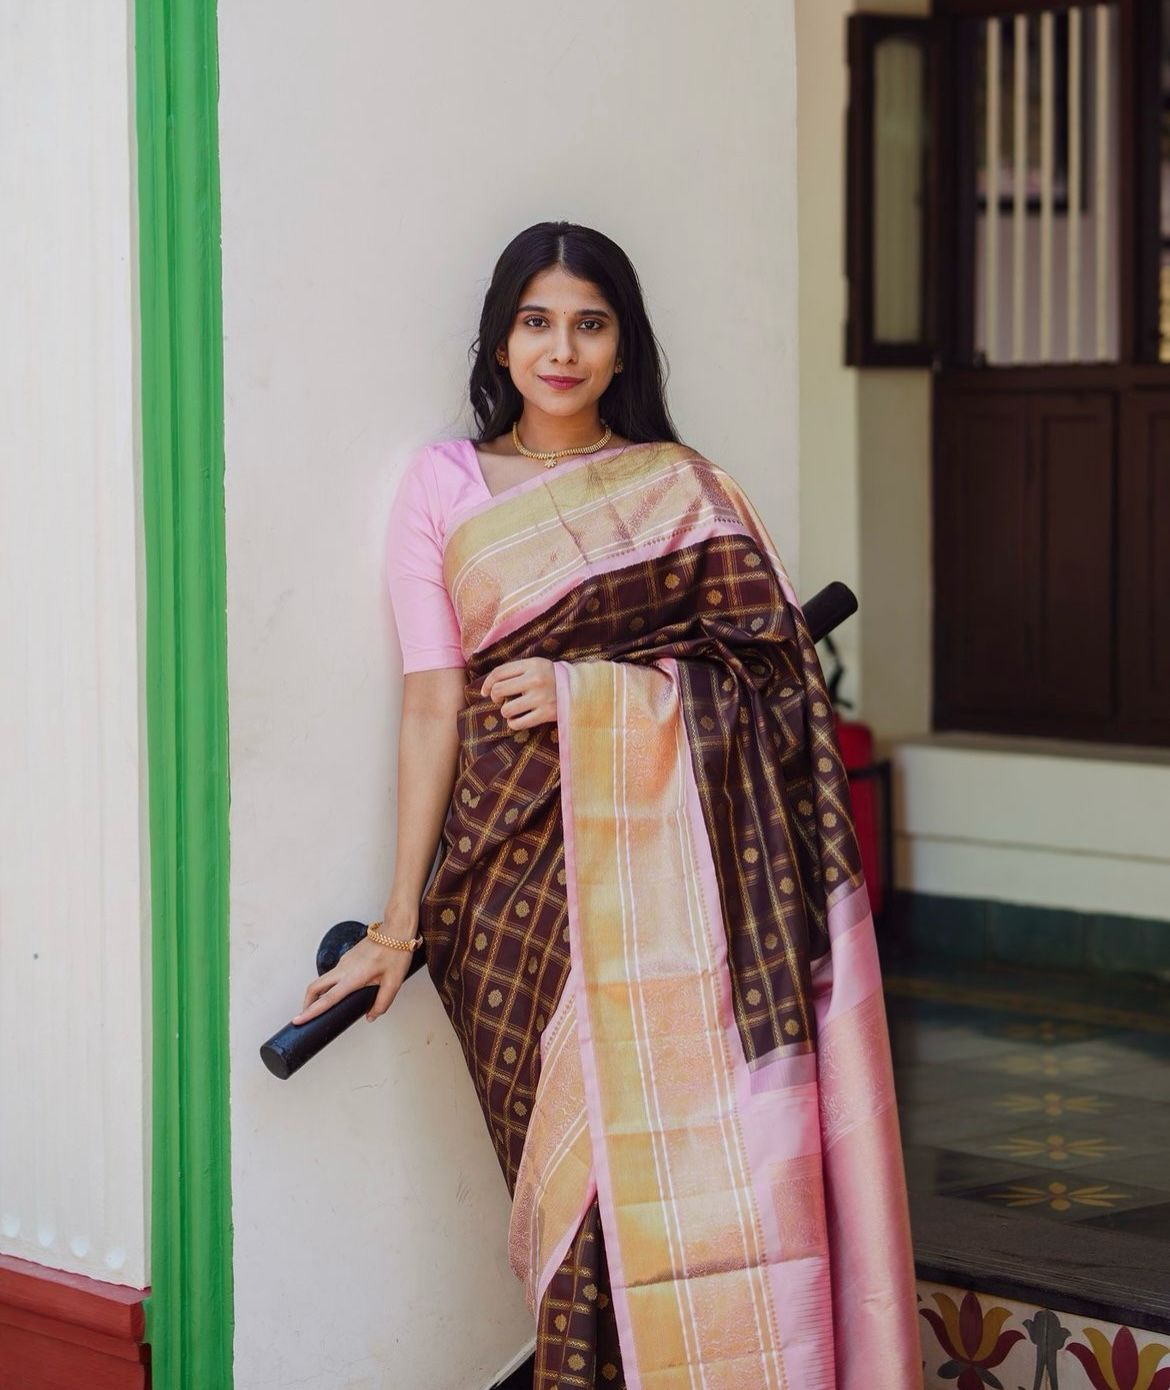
[[1121, 1366], [973, 1339]]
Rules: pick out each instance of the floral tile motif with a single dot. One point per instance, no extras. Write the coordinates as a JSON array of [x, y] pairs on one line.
[[1047, 1063], [1057, 1103], [1062, 1196], [971, 1336], [1069, 1197], [1047, 1146], [972, 1340], [1071, 1144]]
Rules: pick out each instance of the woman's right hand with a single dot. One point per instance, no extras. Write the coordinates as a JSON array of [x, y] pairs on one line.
[[366, 963]]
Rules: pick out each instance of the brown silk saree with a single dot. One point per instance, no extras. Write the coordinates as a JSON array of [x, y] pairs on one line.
[[650, 930]]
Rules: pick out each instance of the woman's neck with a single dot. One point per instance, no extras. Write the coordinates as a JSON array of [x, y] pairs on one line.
[[546, 433]]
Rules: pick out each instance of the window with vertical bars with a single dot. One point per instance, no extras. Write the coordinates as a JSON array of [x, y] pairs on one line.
[[1046, 227]]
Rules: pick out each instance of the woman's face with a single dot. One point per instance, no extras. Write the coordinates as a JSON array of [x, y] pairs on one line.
[[564, 327]]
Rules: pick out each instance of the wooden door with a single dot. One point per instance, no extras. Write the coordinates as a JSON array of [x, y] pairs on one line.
[[1144, 566], [1023, 548]]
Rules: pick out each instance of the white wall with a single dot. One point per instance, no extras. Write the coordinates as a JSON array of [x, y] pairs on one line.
[[864, 435], [830, 494], [893, 469], [896, 568], [73, 859], [1035, 821], [375, 160]]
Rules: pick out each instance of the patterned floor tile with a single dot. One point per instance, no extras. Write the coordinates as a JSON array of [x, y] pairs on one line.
[[939, 1124], [1061, 1197], [1043, 1118], [921, 1084], [1070, 1145], [951, 1172], [1152, 1222], [1045, 1064], [1151, 1169], [1150, 1082]]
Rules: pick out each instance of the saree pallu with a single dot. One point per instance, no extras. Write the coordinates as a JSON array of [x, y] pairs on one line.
[[650, 929]]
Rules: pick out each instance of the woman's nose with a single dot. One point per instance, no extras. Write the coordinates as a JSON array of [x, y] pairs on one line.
[[563, 350]]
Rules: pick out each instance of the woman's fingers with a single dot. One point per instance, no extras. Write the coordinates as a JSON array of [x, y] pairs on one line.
[[318, 997], [386, 992], [523, 703], [330, 988], [532, 710], [513, 688], [319, 986], [506, 670]]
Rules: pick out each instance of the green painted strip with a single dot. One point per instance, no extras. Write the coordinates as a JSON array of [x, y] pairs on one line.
[[189, 1311]]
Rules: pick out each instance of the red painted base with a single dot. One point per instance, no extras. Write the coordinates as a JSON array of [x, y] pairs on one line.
[[63, 1331]]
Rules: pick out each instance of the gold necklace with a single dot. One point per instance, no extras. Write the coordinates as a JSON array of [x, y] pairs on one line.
[[552, 455]]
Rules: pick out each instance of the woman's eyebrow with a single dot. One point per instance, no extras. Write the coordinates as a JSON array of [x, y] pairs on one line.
[[540, 309]]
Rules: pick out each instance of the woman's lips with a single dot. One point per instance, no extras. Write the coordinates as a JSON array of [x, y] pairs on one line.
[[562, 383]]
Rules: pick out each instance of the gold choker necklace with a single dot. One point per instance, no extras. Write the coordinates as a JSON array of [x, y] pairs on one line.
[[550, 457]]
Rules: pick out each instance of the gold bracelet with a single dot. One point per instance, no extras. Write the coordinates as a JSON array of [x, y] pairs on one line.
[[397, 942]]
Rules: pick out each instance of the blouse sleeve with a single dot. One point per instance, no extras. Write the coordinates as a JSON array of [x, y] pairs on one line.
[[428, 628]]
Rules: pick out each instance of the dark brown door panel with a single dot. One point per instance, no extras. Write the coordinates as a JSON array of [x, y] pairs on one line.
[[1144, 564], [1069, 597], [981, 553], [1023, 546]]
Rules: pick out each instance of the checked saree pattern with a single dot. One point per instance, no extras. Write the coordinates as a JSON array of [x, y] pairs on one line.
[[650, 930]]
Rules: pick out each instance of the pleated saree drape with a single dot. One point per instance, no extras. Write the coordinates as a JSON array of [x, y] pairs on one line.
[[650, 930]]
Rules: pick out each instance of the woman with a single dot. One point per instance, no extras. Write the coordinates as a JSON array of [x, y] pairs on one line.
[[648, 924]]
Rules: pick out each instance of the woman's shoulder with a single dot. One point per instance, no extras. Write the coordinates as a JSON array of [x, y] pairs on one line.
[[437, 463], [687, 453], [443, 475]]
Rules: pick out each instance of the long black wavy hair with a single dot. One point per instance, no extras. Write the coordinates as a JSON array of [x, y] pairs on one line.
[[634, 402]]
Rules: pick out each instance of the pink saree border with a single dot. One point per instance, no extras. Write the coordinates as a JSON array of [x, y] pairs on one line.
[[654, 550], [778, 1123], [601, 1173]]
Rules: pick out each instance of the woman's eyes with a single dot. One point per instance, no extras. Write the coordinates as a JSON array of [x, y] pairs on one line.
[[539, 318]]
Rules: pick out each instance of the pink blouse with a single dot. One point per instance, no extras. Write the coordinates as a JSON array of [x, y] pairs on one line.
[[439, 481]]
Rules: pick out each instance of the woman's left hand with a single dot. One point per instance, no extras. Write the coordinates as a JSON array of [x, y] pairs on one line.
[[525, 691]]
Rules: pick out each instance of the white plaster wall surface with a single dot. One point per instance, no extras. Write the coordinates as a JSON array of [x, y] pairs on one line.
[[74, 885], [896, 566], [375, 160], [1035, 821], [830, 496], [864, 434], [893, 469]]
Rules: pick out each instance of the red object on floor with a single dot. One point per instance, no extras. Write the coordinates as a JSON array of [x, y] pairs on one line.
[[61, 1331], [856, 744]]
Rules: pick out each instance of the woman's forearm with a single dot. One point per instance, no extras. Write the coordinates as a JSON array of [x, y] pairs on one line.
[[428, 750]]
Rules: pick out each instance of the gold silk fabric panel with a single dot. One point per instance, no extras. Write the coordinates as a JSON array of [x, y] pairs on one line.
[[692, 1253]]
